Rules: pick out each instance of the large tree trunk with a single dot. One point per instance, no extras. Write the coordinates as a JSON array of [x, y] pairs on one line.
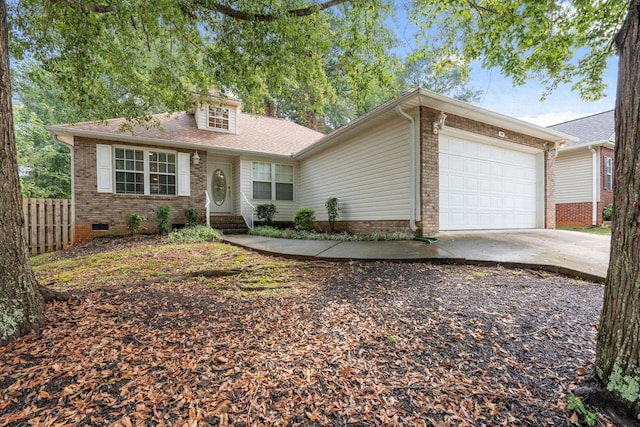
[[618, 345], [21, 303]]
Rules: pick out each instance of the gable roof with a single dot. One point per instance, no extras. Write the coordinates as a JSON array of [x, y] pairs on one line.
[[590, 130], [421, 97], [256, 134]]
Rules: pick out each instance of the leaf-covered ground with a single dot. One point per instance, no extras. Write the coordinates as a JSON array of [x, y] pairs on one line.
[[321, 344]]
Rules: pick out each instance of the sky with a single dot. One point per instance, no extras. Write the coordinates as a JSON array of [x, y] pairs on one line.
[[522, 102]]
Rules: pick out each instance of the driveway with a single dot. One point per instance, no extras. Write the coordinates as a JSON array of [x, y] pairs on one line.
[[582, 254]]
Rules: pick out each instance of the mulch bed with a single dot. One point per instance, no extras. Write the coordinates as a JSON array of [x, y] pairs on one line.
[[365, 344]]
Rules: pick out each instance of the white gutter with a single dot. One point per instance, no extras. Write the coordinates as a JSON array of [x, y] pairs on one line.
[[594, 185], [413, 181]]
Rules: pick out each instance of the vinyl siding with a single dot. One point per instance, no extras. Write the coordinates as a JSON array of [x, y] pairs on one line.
[[574, 177], [369, 174], [285, 208]]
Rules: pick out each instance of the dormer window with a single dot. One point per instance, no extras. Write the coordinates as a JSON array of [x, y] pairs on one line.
[[218, 117]]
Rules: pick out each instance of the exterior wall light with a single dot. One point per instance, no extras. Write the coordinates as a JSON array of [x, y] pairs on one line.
[[439, 123], [195, 158]]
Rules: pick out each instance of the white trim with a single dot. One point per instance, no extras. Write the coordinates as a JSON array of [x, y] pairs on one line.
[[105, 170], [183, 174], [470, 136], [540, 191], [147, 172], [274, 182], [594, 185]]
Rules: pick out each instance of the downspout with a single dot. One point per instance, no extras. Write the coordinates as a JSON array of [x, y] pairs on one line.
[[594, 185], [412, 168]]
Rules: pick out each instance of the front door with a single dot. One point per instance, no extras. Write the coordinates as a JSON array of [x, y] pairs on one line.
[[220, 188]]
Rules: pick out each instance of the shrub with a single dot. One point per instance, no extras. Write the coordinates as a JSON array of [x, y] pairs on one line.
[[162, 216], [607, 213], [303, 219], [192, 216], [266, 212], [195, 234], [311, 235], [134, 222], [333, 210]]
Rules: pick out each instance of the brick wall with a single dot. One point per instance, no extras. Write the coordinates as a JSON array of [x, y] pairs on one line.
[[92, 207], [574, 214], [368, 227], [430, 166]]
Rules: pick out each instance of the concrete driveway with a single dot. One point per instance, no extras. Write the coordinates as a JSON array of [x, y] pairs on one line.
[[582, 254]]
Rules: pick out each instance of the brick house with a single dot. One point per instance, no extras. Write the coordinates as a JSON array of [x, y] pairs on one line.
[[418, 163], [584, 170]]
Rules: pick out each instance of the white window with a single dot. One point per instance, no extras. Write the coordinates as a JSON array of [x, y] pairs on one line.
[[272, 181], [129, 171], [142, 171], [218, 117], [608, 173]]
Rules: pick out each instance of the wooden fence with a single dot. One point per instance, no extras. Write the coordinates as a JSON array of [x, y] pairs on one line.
[[47, 224]]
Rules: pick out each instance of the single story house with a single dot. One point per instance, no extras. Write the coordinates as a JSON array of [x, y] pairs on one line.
[[584, 169], [418, 163]]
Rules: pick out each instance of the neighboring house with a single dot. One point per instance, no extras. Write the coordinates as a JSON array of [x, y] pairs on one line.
[[418, 163], [584, 170]]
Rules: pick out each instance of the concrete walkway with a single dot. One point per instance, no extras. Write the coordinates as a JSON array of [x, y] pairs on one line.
[[581, 254]]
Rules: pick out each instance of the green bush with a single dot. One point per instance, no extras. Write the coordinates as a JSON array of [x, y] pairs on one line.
[[134, 222], [607, 213], [266, 212], [333, 211], [162, 216], [196, 234], [303, 219], [192, 216]]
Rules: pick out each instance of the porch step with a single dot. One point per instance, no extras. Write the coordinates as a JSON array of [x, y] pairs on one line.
[[229, 224]]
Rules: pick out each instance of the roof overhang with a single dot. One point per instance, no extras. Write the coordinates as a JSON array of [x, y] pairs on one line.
[[424, 98], [576, 147], [66, 136]]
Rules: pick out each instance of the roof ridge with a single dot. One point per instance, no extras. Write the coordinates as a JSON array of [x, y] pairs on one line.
[[582, 118]]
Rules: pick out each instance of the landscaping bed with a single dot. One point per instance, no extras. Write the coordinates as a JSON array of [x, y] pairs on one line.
[[341, 344]]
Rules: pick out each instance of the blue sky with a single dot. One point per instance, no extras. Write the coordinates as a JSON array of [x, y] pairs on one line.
[[522, 102]]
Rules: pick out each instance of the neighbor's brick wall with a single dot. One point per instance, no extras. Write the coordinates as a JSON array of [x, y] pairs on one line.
[[430, 165], [581, 214], [571, 214], [368, 227], [606, 196], [92, 207]]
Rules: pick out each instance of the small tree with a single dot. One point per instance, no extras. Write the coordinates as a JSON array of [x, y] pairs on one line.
[[333, 211], [303, 219], [266, 212], [162, 216], [192, 216]]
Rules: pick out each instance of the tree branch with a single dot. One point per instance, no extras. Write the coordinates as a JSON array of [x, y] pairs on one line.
[[267, 17]]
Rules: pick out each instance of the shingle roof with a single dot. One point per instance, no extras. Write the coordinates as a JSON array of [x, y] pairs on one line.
[[262, 134], [591, 129]]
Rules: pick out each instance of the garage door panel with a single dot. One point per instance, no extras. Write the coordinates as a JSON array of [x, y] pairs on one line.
[[484, 186]]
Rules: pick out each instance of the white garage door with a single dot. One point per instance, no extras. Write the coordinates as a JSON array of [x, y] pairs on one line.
[[485, 186]]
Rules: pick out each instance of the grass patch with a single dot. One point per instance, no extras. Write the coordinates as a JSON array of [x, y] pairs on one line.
[[600, 231], [288, 233], [161, 259]]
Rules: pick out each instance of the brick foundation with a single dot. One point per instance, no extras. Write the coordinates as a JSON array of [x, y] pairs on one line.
[[368, 227]]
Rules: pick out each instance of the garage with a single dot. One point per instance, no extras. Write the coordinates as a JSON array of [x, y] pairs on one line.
[[487, 185]]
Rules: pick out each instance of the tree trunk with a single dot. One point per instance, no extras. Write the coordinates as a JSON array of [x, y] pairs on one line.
[[618, 344], [21, 304]]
